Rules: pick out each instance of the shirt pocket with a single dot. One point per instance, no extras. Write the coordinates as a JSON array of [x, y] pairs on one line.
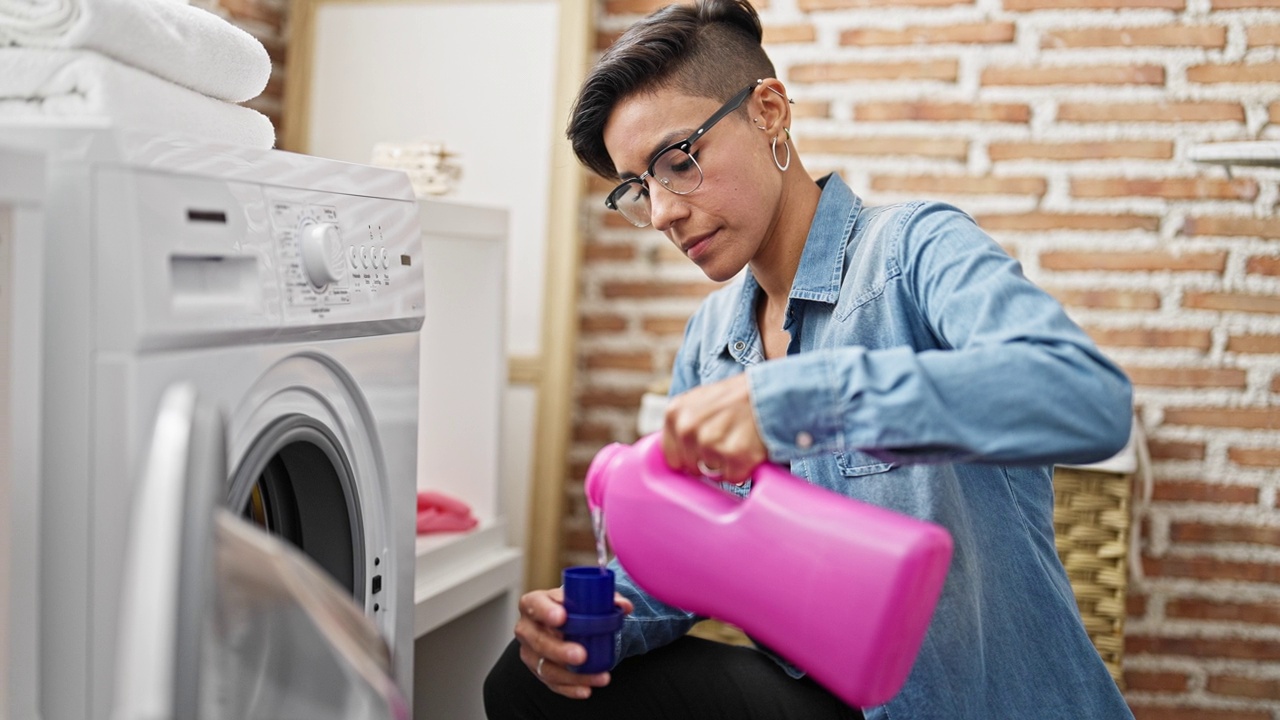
[[852, 463]]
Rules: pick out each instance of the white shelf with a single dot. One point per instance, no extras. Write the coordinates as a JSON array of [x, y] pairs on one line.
[[458, 572]]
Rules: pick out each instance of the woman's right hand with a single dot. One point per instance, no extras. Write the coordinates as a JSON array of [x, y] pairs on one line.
[[544, 649]]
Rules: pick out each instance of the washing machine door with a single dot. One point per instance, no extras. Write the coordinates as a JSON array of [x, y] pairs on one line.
[[220, 620]]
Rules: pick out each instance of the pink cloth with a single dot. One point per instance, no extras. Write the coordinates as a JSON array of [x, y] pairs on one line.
[[438, 512]]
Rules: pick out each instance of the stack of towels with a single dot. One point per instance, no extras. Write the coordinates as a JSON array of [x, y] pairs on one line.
[[159, 65]]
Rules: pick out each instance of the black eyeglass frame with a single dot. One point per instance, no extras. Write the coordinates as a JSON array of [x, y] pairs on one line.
[[684, 146]]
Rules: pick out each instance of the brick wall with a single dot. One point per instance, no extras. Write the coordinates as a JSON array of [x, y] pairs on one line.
[[1063, 126]]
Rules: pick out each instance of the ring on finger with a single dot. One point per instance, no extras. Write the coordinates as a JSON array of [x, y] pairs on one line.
[[709, 472], [540, 661]]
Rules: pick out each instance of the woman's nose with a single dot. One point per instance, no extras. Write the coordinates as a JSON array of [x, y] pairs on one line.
[[665, 208]]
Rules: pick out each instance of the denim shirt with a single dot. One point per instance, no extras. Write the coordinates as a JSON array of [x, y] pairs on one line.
[[926, 374]]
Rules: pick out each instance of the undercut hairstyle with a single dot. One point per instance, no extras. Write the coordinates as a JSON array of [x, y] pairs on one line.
[[708, 49]]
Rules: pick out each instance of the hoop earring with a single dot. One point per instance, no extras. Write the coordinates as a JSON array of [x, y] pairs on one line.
[[774, 147]]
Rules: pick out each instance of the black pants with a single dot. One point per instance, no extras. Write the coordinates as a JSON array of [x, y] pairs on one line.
[[690, 678]]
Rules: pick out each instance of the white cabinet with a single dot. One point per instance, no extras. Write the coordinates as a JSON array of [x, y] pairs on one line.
[[466, 584]]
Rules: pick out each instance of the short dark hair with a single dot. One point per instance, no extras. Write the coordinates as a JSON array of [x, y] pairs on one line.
[[708, 49]]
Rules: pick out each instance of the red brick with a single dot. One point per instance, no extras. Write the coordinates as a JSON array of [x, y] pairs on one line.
[[1101, 150], [1151, 338], [1170, 112], [1093, 4], [1074, 75], [1275, 388], [641, 361], [1196, 609], [1187, 377], [1199, 492], [933, 111], [595, 433], [664, 325], [615, 221], [1204, 648], [1205, 36], [1265, 689], [1232, 302], [1109, 299], [1173, 188], [1155, 681], [1041, 221], [1239, 4], [935, 147], [1162, 450], [597, 252], [780, 34], [1131, 261], [1265, 344], [1233, 226], [811, 109], [1135, 604], [1144, 711], [1207, 568], [655, 289], [601, 323], [959, 184], [994, 32], [1251, 73], [856, 71], [598, 397], [1252, 418], [1263, 265], [1263, 35], [1254, 457], [1198, 532], [1274, 112], [811, 5]]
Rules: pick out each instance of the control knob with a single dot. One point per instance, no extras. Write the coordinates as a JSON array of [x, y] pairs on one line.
[[323, 259]]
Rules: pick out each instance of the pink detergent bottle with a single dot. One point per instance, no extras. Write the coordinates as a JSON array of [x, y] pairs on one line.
[[842, 589]]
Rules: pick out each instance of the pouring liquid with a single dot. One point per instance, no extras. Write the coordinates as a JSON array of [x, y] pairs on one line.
[[597, 527]]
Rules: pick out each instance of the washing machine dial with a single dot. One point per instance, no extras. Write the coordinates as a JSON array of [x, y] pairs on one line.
[[323, 258]]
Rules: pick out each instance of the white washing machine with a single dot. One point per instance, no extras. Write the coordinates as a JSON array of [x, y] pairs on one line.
[[287, 291], [21, 259]]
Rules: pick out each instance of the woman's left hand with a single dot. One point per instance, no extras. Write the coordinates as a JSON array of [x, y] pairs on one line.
[[714, 425]]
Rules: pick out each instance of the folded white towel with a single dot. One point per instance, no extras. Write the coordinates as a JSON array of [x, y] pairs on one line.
[[52, 84], [173, 40]]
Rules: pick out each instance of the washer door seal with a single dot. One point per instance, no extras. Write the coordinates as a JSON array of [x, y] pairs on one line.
[[295, 481]]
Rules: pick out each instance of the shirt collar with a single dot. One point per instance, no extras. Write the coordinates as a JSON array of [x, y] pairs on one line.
[[821, 267], [818, 276]]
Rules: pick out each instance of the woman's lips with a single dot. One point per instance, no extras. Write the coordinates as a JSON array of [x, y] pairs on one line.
[[699, 246]]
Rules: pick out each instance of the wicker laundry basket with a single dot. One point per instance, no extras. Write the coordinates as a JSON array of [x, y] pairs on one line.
[[1091, 522]]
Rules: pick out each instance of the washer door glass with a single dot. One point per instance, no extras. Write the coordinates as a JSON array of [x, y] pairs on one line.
[[296, 482]]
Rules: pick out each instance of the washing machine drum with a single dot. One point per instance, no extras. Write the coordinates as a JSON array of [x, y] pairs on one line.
[[295, 481]]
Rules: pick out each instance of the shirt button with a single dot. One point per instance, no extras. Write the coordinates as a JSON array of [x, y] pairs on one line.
[[804, 440], [739, 346]]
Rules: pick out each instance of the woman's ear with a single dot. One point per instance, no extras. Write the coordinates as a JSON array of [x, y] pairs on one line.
[[774, 111]]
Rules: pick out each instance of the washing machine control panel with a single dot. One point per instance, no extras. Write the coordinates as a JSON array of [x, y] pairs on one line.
[[336, 251]]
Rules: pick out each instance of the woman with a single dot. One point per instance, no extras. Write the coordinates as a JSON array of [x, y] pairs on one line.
[[892, 354]]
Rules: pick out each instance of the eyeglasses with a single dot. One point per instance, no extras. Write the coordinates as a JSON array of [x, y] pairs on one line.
[[674, 167]]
